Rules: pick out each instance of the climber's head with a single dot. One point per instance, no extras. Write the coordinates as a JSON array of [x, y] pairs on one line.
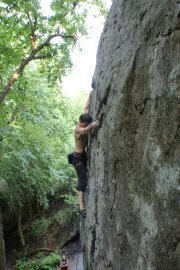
[[64, 256], [85, 119]]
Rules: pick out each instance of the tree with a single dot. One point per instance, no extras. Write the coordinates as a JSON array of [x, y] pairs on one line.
[[3, 189], [32, 36], [34, 147], [2, 249], [36, 122]]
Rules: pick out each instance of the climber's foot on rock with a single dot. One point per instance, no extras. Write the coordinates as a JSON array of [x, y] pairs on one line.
[[82, 213]]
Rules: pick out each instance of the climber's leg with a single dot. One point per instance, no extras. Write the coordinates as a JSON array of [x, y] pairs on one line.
[[80, 165], [81, 171], [81, 187], [81, 199]]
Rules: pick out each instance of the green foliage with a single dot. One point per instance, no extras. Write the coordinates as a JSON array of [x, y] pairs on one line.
[[71, 198], [40, 227], [64, 216], [42, 262], [52, 36], [36, 121], [35, 145]]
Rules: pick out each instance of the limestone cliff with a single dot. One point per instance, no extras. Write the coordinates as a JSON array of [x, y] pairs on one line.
[[132, 202]]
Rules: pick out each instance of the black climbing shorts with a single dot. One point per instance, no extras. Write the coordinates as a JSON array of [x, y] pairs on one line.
[[80, 165]]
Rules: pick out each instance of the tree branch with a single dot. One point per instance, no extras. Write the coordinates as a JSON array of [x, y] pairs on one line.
[[12, 118], [33, 252], [26, 61], [33, 26], [75, 3], [47, 42], [42, 56]]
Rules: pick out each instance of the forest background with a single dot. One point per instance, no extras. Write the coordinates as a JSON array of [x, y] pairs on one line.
[[37, 186]]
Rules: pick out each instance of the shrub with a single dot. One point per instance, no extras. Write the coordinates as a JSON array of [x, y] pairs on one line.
[[42, 262], [64, 216], [40, 227]]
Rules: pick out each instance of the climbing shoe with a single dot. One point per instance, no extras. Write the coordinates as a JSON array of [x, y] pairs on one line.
[[82, 213]]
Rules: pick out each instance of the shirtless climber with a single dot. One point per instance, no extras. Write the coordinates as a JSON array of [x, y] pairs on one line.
[[81, 131]]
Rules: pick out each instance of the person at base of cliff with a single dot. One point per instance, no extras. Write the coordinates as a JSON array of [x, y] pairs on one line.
[[79, 161], [64, 263]]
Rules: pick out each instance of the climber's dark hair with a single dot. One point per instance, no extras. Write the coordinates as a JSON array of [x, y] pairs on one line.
[[85, 118]]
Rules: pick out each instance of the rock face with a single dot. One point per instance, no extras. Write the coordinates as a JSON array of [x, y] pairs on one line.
[[132, 202]]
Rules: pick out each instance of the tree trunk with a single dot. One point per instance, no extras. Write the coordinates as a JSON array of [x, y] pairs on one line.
[[2, 248], [30, 207], [20, 232], [38, 205]]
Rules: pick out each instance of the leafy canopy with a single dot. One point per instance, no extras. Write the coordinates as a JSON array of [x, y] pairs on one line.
[[27, 35]]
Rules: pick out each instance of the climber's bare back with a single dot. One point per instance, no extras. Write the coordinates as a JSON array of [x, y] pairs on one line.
[[81, 141]]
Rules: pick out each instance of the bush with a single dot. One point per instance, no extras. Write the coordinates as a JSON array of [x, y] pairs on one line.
[[64, 216], [42, 262], [40, 227]]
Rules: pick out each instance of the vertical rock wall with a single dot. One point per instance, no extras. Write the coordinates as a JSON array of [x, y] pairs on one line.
[[132, 202]]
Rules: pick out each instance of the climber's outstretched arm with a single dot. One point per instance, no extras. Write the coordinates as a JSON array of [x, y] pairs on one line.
[[87, 129], [87, 106]]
